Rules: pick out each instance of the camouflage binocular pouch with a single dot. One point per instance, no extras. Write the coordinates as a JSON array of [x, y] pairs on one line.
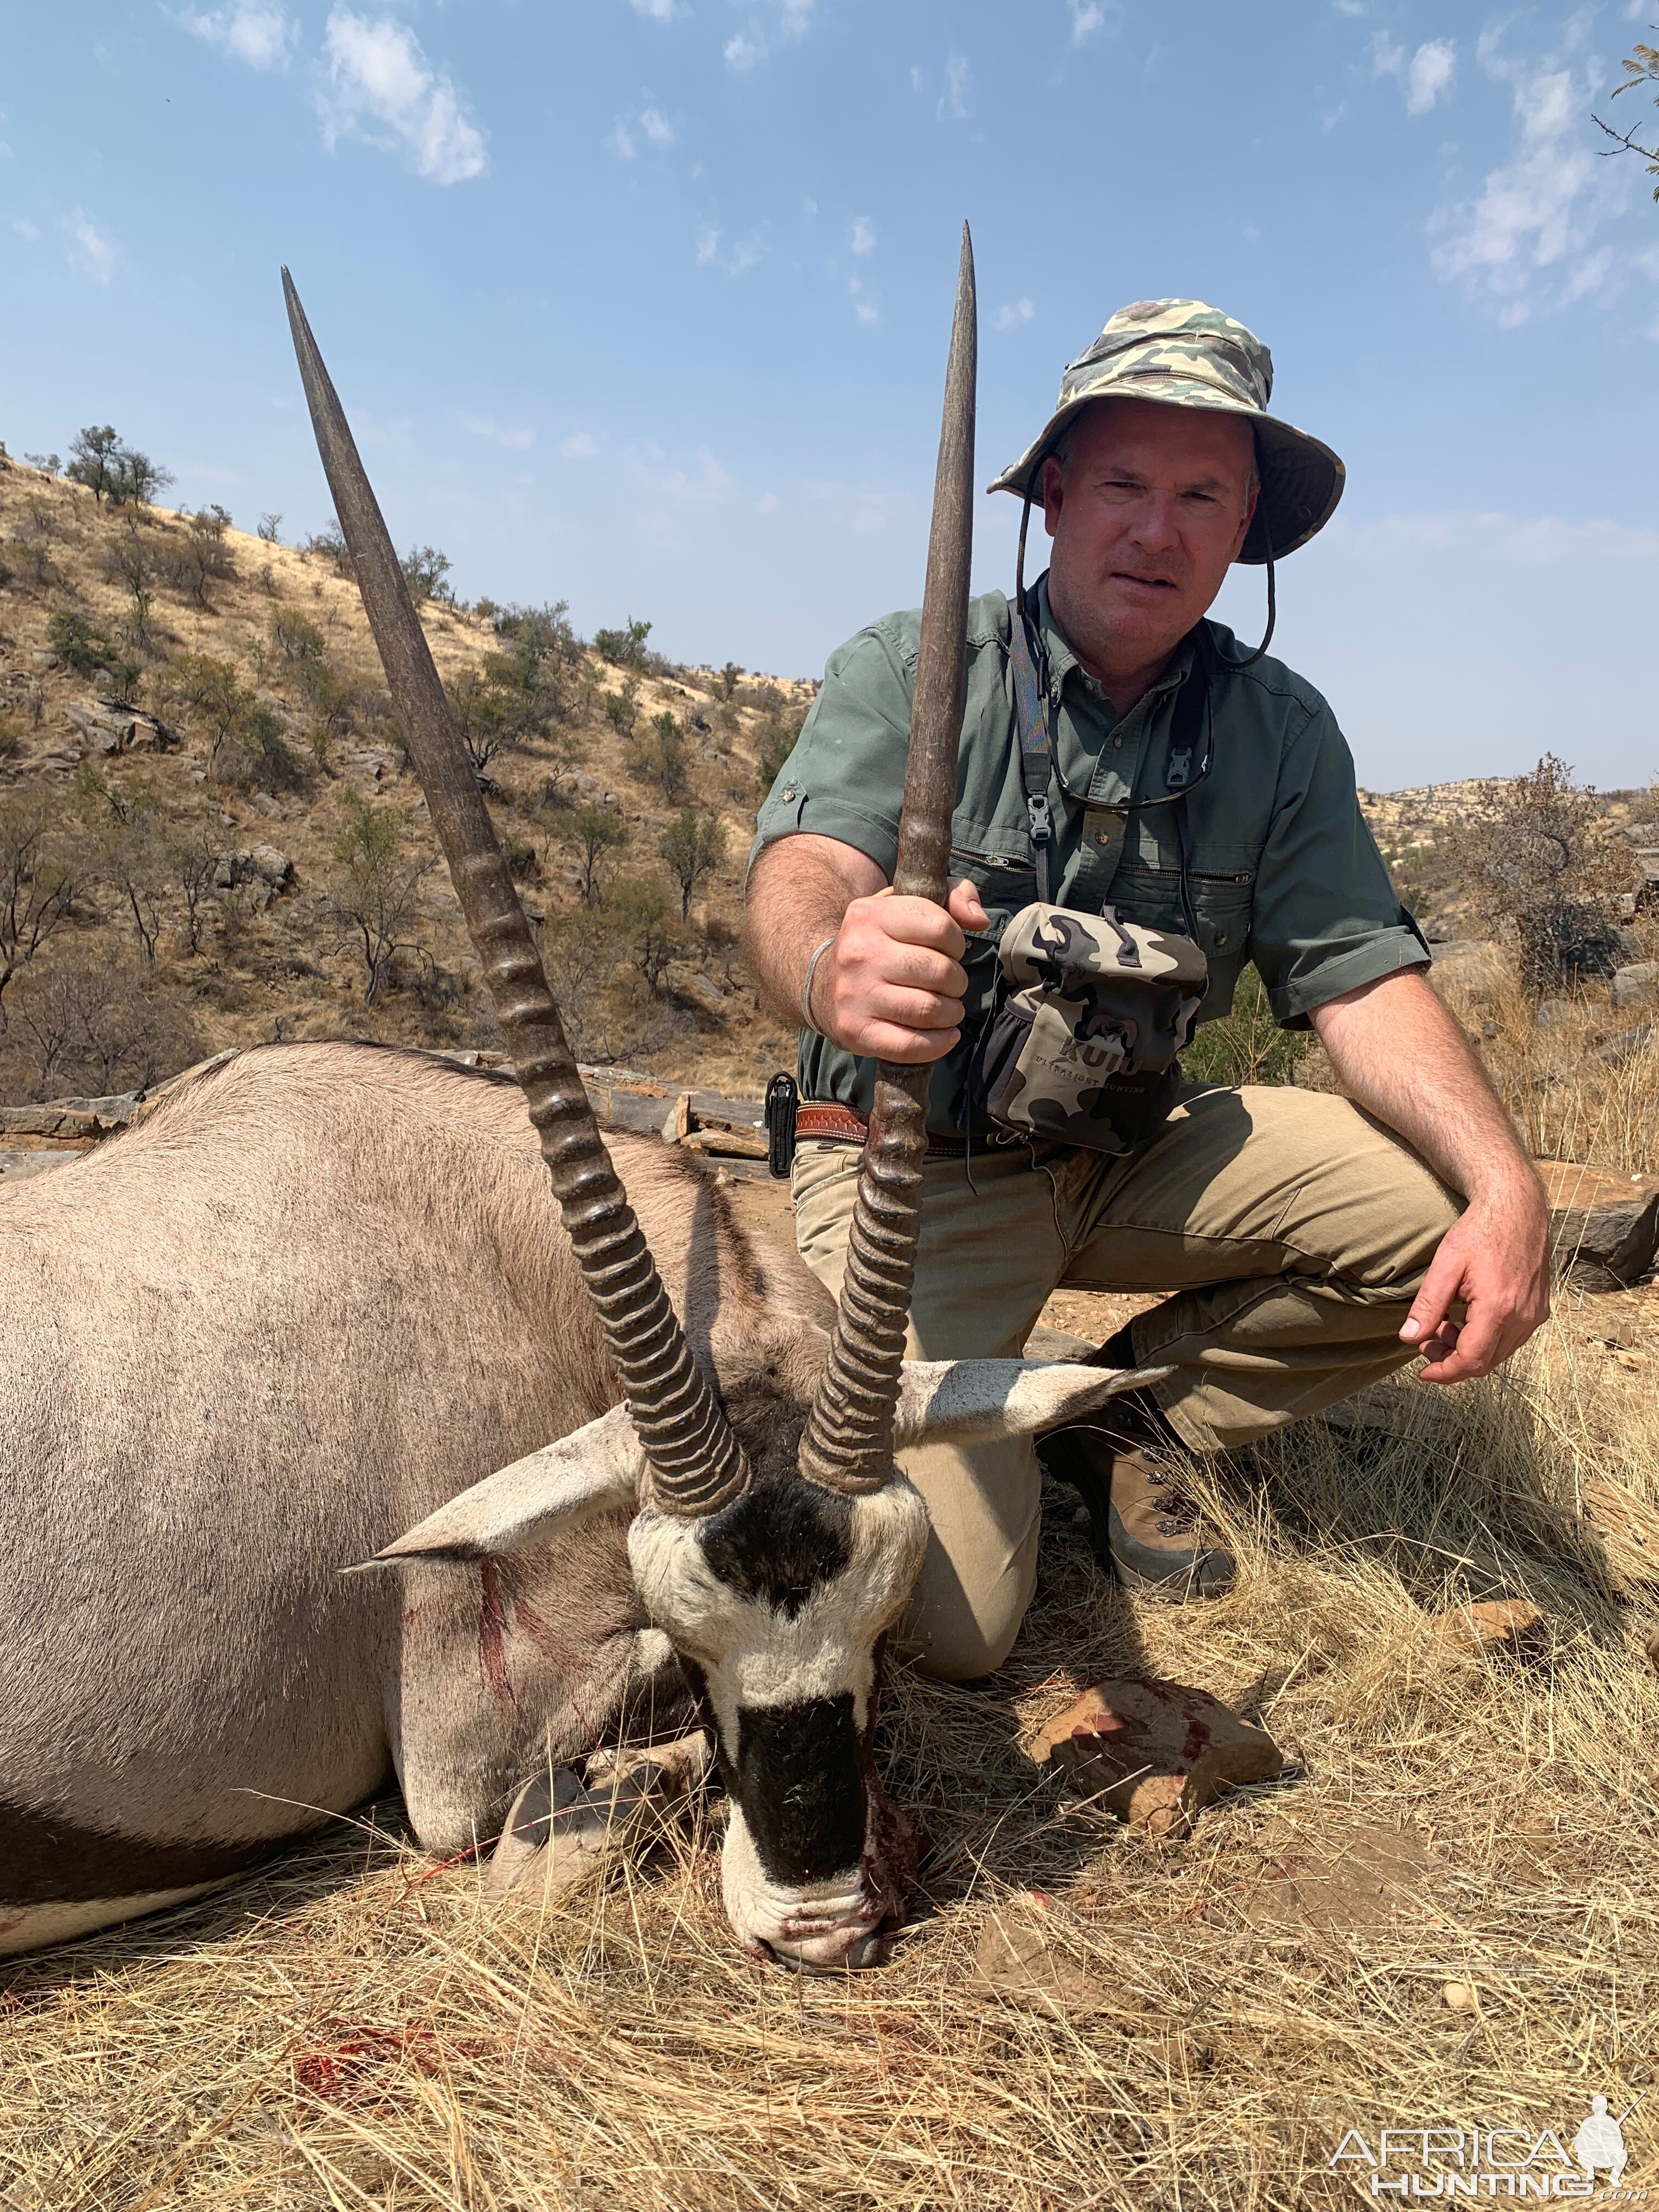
[[1090, 1014]]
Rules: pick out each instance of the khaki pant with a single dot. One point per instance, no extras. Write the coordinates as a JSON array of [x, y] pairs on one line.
[[1291, 1230]]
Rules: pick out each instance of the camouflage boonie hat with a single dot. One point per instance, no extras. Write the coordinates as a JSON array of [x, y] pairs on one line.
[[1184, 354]]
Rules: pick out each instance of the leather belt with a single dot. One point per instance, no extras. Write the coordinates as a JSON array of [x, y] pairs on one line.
[[845, 1125]]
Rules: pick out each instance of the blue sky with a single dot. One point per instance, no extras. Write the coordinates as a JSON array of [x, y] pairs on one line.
[[644, 303]]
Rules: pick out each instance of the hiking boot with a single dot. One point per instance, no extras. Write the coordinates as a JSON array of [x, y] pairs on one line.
[[1141, 1526]]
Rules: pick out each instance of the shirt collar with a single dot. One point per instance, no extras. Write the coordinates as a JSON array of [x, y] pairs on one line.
[[1063, 662]]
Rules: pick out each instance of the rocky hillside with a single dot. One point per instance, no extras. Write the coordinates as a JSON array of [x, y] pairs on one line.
[[1416, 830], [209, 835], [203, 794]]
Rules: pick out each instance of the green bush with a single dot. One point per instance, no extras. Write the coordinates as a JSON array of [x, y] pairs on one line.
[[593, 832], [424, 571], [295, 637], [623, 649], [78, 644], [694, 846], [1246, 1045], [266, 759], [112, 470], [645, 919], [662, 761], [777, 742]]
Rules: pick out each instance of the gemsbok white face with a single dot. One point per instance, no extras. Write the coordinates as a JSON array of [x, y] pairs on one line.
[[777, 1604], [777, 1607]]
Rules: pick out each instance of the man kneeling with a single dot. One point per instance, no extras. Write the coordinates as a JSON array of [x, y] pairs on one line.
[[1121, 755]]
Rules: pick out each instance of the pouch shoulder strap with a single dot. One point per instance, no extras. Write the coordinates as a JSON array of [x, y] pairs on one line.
[[1035, 745], [1187, 723]]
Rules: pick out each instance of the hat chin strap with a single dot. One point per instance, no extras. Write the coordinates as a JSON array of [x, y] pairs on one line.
[[1019, 584], [1273, 613]]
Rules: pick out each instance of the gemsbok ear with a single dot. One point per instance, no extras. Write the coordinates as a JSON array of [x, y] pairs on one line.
[[973, 1401], [596, 1469]]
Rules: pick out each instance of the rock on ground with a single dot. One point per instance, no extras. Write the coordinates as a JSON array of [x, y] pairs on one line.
[[1495, 1624], [1635, 984], [1017, 1959], [1603, 1227], [1154, 1752]]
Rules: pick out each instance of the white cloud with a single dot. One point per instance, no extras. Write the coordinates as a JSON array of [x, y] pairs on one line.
[[958, 103], [1349, 7], [579, 446], [1434, 66], [864, 236], [788, 20], [737, 260], [1535, 540], [1010, 317], [90, 251], [382, 88], [705, 485], [260, 33], [24, 228], [864, 302], [650, 123], [1089, 17], [659, 11], [482, 427], [1426, 78], [859, 509], [1526, 241]]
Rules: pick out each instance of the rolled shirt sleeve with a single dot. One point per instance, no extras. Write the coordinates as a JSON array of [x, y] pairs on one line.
[[1326, 919], [845, 778]]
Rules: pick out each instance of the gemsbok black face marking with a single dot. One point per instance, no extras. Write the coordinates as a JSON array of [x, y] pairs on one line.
[[781, 1545]]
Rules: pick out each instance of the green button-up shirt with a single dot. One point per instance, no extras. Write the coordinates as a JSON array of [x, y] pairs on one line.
[[1284, 871]]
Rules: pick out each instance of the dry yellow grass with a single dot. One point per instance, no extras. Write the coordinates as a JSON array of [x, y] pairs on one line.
[[355, 2027]]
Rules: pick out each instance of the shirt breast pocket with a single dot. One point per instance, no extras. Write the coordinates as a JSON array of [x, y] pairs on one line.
[[1004, 886], [1222, 902]]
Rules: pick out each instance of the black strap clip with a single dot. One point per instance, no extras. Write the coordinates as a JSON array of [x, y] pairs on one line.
[[782, 1096]]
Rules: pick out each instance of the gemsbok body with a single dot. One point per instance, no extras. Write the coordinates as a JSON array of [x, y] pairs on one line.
[[612, 1469]]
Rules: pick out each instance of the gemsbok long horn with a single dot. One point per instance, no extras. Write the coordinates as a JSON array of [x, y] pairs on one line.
[[848, 1441], [696, 1463]]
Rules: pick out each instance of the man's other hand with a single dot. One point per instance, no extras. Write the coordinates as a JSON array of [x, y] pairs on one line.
[[1495, 1264], [891, 986]]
